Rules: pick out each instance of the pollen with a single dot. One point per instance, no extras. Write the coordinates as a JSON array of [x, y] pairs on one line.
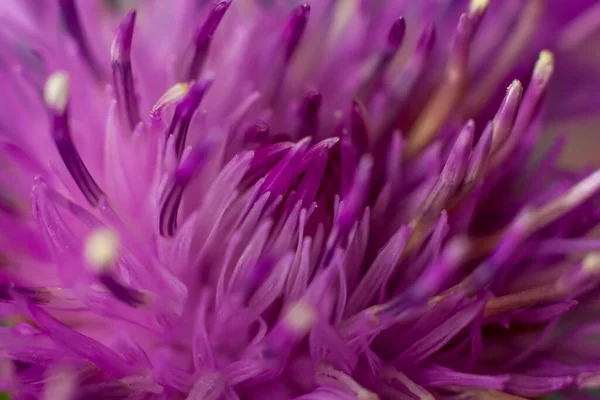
[[56, 91], [300, 317], [478, 6], [102, 248], [591, 263]]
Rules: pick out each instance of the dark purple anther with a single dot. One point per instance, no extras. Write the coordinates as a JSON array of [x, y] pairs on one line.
[[70, 16], [309, 114], [395, 36], [122, 73], [295, 29], [174, 190], [184, 111], [127, 295], [56, 96], [38, 295], [204, 37]]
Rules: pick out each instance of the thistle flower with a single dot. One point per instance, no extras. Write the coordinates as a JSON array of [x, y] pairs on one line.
[[265, 200]]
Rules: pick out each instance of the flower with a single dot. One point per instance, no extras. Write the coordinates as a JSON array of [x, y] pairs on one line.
[[260, 200]]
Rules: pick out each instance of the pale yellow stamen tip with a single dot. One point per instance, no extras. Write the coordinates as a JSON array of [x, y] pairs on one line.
[[174, 94], [367, 395], [591, 263], [56, 91], [544, 65], [300, 317], [478, 6], [514, 87], [102, 248]]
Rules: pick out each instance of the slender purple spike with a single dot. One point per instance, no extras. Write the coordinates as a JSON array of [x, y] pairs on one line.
[[283, 175], [542, 72], [480, 156], [396, 36], [359, 128], [375, 74], [309, 185], [406, 81], [309, 114], [513, 238], [203, 38], [122, 72], [266, 156], [452, 175], [173, 193], [184, 111], [127, 295], [56, 96], [504, 118], [73, 26], [294, 30], [348, 163], [354, 203], [432, 280]]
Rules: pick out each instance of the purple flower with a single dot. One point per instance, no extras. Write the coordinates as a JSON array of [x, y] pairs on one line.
[[254, 199]]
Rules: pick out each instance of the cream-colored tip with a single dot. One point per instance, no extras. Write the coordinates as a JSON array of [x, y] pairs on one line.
[[591, 263], [514, 88], [102, 248], [544, 67], [300, 318], [173, 95], [56, 91], [478, 6]]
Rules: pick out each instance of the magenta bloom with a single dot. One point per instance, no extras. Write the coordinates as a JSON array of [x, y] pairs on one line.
[[254, 199]]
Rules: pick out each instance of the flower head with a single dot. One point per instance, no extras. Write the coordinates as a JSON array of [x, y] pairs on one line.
[[257, 199]]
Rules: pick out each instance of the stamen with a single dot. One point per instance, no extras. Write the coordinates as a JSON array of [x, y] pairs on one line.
[[73, 25], [527, 298], [359, 126], [171, 96], [355, 200], [122, 73], [101, 251], [451, 91], [478, 6], [309, 114], [405, 83], [374, 69], [395, 37], [518, 40], [553, 210], [174, 190], [300, 318], [591, 264], [536, 90], [184, 111], [293, 32], [327, 372], [503, 121], [203, 39], [450, 178], [56, 96]]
